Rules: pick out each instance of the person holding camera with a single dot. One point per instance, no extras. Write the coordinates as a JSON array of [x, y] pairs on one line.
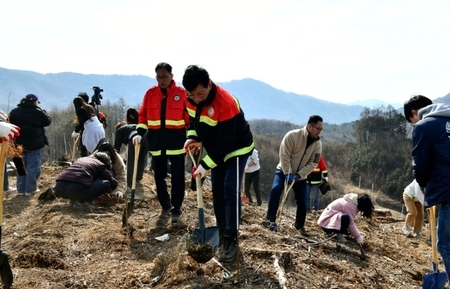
[[164, 118], [88, 126]]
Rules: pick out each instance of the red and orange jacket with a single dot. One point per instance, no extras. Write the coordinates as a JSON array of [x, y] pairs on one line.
[[165, 120], [315, 177], [220, 125]]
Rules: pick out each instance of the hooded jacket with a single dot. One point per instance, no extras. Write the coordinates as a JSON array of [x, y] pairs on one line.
[[331, 216], [431, 153], [31, 119]]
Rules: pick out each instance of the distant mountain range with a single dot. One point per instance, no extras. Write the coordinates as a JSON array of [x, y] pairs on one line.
[[258, 100]]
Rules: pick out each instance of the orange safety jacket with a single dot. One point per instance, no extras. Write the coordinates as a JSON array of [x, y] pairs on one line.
[[315, 177], [165, 120], [220, 125]]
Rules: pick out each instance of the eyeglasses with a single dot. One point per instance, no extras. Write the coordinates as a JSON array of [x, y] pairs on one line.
[[164, 77], [318, 128]]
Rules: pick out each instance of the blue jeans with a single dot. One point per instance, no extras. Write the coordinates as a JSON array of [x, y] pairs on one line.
[[443, 235], [313, 193], [300, 191], [78, 192], [226, 180], [32, 161], [159, 164]]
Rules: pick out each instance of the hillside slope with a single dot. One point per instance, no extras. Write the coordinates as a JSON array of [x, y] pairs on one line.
[[52, 245]]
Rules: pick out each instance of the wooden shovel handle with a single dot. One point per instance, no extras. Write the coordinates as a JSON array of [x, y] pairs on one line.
[[3, 152]]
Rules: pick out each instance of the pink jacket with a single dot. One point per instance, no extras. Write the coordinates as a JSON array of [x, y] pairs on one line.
[[331, 216]]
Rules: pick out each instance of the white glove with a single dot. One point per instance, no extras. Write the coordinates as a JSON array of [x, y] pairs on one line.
[[200, 171], [360, 240], [118, 194], [75, 135], [137, 140], [8, 130], [326, 179], [189, 145]]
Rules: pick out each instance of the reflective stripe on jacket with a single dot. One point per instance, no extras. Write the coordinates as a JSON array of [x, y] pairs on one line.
[[165, 118]]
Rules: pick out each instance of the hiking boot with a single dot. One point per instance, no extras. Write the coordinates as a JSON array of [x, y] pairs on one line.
[[165, 212], [273, 226], [302, 230], [418, 235], [175, 218], [230, 250], [407, 231], [32, 193], [9, 192], [341, 238]]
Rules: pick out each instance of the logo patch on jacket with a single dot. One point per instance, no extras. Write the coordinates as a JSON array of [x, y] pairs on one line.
[[176, 98], [210, 112]]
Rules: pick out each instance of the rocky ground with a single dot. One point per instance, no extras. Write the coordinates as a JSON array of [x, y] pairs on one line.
[[52, 245]]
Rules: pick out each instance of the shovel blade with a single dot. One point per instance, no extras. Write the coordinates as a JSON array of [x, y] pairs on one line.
[[5, 269], [208, 236], [434, 280]]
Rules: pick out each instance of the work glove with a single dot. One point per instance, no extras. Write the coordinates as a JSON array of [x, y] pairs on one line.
[[137, 140], [198, 171], [360, 241], [75, 135], [8, 130], [292, 178], [189, 146], [325, 179], [118, 194]]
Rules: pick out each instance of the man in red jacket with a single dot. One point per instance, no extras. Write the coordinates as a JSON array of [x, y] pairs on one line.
[[163, 116]]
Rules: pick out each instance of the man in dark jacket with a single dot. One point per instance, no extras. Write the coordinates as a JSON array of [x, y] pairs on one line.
[[431, 161], [31, 119], [217, 120], [85, 180]]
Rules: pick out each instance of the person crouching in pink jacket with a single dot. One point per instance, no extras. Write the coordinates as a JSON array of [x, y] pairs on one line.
[[339, 216]]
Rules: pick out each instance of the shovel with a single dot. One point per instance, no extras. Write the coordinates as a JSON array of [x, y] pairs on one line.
[[5, 268], [435, 280], [130, 205], [74, 149], [206, 240], [280, 209]]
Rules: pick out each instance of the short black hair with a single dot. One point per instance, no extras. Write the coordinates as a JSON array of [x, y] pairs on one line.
[[313, 119], [163, 65], [107, 147], [193, 76], [415, 102]]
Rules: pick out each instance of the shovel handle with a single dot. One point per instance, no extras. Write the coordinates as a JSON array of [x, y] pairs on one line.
[[286, 193], [432, 217], [198, 181], [3, 152], [74, 149]]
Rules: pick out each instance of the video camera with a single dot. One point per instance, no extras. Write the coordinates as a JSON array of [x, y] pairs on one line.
[[97, 97]]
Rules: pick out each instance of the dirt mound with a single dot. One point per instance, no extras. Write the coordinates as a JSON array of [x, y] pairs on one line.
[[52, 245]]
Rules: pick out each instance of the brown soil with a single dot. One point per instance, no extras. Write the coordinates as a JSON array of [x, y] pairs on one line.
[[52, 245]]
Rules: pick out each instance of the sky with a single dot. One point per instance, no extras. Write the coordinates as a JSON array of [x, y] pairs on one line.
[[339, 51]]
